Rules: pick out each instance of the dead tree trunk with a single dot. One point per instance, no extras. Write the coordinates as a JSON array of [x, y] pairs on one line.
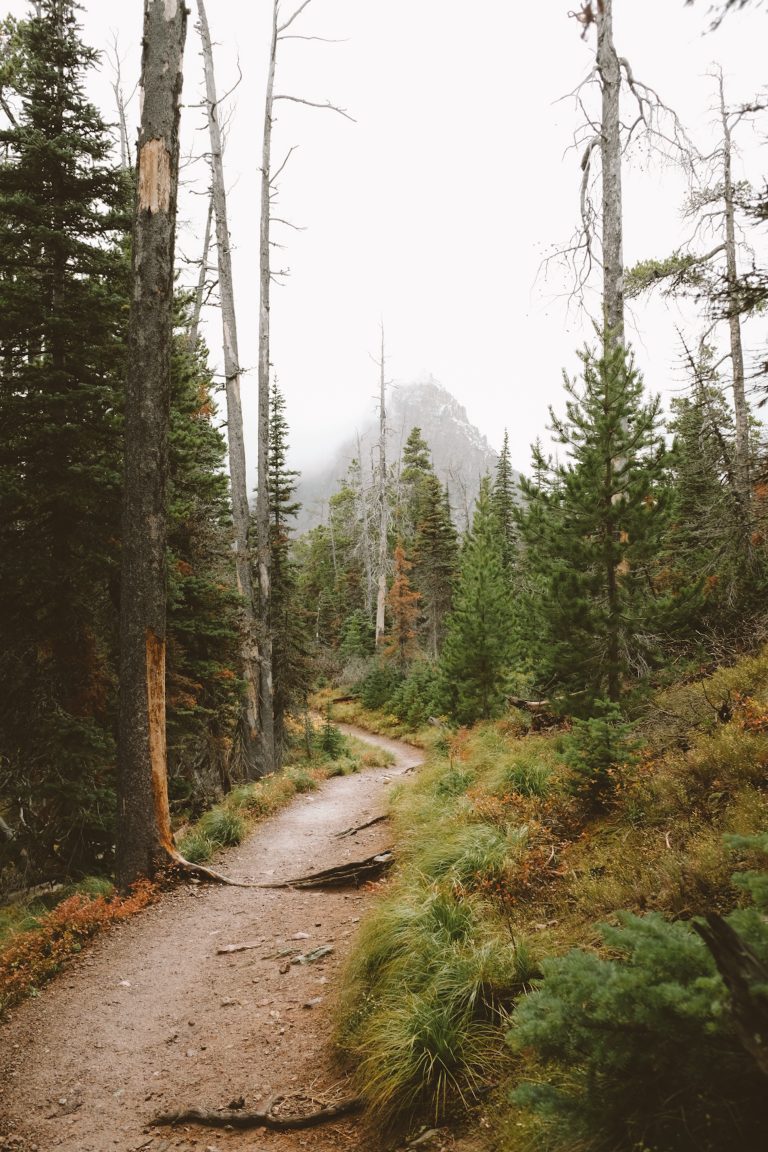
[[381, 597], [199, 299], [266, 696], [144, 842], [249, 653], [740, 408], [609, 70]]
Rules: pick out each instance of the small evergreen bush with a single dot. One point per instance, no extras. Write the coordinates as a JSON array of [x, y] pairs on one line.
[[597, 751], [379, 686], [331, 741]]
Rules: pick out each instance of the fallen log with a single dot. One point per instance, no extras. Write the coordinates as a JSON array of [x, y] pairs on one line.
[[362, 827], [353, 872], [267, 1117]]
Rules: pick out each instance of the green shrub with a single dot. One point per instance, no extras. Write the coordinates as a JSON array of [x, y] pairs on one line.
[[379, 686], [597, 751], [418, 696], [639, 1047], [331, 741], [301, 779]]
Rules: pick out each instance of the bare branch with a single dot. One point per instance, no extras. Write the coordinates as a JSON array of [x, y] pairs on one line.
[[291, 150], [314, 104], [288, 224], [322, 39], [282, 27]]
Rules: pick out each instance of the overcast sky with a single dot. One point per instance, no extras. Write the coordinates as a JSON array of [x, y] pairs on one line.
[[435, 209]]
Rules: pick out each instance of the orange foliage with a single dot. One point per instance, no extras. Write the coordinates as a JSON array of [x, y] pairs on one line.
[[31, 958]]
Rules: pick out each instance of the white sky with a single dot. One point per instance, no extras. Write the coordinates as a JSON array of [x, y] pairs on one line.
[[435, 208]]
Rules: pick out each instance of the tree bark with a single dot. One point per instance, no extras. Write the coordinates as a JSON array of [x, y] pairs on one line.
[[609, 69], [249, 652], [381, 597], [144, 842], [740, 408], [266, 698]]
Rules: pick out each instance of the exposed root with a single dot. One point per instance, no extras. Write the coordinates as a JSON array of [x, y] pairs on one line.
[[208, 875], [362, 827], [351, 873], [268, 1117]]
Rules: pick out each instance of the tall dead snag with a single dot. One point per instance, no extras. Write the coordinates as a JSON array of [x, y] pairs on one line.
[[250, 734], [609, 70], [713, 274], [611, 138], [381, 596], [144, 842], [740, 407], [268, 194]]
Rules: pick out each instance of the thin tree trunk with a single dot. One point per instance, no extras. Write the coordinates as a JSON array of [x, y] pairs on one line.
[[741, 410], [609, 69], [381, 598], [240, 512], [197, 307], [262, 498], [144, 842], [365, 537]]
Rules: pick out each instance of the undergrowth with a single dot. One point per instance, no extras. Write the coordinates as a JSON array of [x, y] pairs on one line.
[[512, 848]]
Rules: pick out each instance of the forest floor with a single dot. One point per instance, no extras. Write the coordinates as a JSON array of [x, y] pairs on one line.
[[153, 1018]]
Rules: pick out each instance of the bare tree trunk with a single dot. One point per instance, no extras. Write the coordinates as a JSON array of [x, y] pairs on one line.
[[741, 410], [240, 512], [609, 69], [144, 842], [381, 597], [197, 307], [266, 698], [365, 536]]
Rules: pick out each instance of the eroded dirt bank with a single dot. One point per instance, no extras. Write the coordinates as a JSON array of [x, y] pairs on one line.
[[154, 1018]]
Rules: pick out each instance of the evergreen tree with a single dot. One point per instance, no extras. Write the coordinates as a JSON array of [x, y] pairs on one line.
[[415, 470], [290, 660], [504, 503], [63, 291], [203, 605], [402, 605], [476, 654], [435, 560], [593, 527]]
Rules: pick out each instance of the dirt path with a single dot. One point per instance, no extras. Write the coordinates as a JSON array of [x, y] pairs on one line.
[[152, 1018]]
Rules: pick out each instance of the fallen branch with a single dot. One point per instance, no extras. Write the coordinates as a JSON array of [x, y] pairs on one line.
[[362, 827], [238, 1118], [351, 873]]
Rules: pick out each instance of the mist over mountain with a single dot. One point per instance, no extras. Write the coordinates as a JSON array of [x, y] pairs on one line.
[[461, 454]]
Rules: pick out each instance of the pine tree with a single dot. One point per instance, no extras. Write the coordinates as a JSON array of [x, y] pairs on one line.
[[593, 527], [415, 470], [476, 654], [402, 604], [503, 499], [203, 605], [435, 561], [63, 291], [291, 672]]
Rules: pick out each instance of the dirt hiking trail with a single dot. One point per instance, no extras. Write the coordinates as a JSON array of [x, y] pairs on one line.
[[151, 1018]]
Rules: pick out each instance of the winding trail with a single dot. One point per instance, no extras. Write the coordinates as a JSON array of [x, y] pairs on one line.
[[152, 1018]]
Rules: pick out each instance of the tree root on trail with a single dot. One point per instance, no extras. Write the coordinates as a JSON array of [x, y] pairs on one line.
[[268, 1117], [351, 873], [178, 864], [362, 827]]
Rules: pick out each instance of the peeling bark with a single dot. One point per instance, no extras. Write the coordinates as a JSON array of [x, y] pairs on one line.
[[144, 842]]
